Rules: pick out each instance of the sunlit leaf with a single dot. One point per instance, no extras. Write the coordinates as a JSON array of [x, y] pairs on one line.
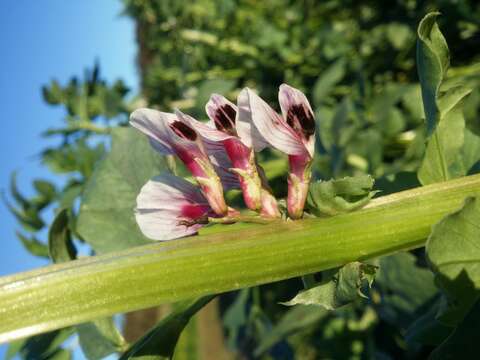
[[106, 219], [343, 287], [338, 196]]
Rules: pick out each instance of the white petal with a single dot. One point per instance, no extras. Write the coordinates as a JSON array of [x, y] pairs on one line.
[[168, 192], [245, 130], [159, 206], [289, 96], [158, 225], [273, 128], [152, 123]]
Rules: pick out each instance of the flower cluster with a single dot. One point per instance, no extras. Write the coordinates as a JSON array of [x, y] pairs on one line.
[[220, 154]]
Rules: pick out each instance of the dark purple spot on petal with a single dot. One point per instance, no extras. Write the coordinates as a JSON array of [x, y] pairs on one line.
[[183, 130], [225, 119], [301, 120]]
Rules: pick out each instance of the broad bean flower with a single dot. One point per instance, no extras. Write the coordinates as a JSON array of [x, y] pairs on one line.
[[293, 133], [231, 126], [172, 134]]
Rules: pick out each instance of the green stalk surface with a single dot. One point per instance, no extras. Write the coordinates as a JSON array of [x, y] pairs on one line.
[[70, 293]]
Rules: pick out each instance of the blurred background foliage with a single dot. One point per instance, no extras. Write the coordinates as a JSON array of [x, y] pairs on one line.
[[356, 63]]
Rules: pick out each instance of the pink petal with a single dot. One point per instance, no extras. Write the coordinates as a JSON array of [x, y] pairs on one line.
[[273, 128]]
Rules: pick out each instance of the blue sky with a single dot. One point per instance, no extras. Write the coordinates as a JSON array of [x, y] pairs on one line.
[[42, 40]]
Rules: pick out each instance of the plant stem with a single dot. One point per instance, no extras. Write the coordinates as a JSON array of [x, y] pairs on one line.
[[70, 293]]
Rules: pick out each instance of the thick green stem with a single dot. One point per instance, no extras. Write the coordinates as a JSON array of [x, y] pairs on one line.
[[69, 293]]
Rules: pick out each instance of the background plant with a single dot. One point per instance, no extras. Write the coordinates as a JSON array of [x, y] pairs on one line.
[[356, 64]]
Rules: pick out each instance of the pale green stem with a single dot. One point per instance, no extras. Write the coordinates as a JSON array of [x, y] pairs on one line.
[[70, 293]]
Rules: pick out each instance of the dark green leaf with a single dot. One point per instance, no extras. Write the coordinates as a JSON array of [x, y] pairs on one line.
[[159, 343], [60, 246], [338, 196], [100, 338], [296, 319], [432, 64], [404, 288], [426, 329], [342, 288], [463, 342], [46, 345], [106, 219], [453, 251], [236, 317]]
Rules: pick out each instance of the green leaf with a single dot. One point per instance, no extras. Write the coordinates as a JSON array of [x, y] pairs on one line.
[[60, 354], [343, 287], [443, 111], [295, 319], [28, 216], [432, 65], [453, 251], [145, 276], [463, 342], [426, 329], [159, 343], [404, 288], [442, 159], [329, 78], [403, 285], [45, 188], [33, 245], [338, 196], [100, 338], [106, 219], [44, 346], [470, 153], [19, 198], [236, 316], [60, 245]]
